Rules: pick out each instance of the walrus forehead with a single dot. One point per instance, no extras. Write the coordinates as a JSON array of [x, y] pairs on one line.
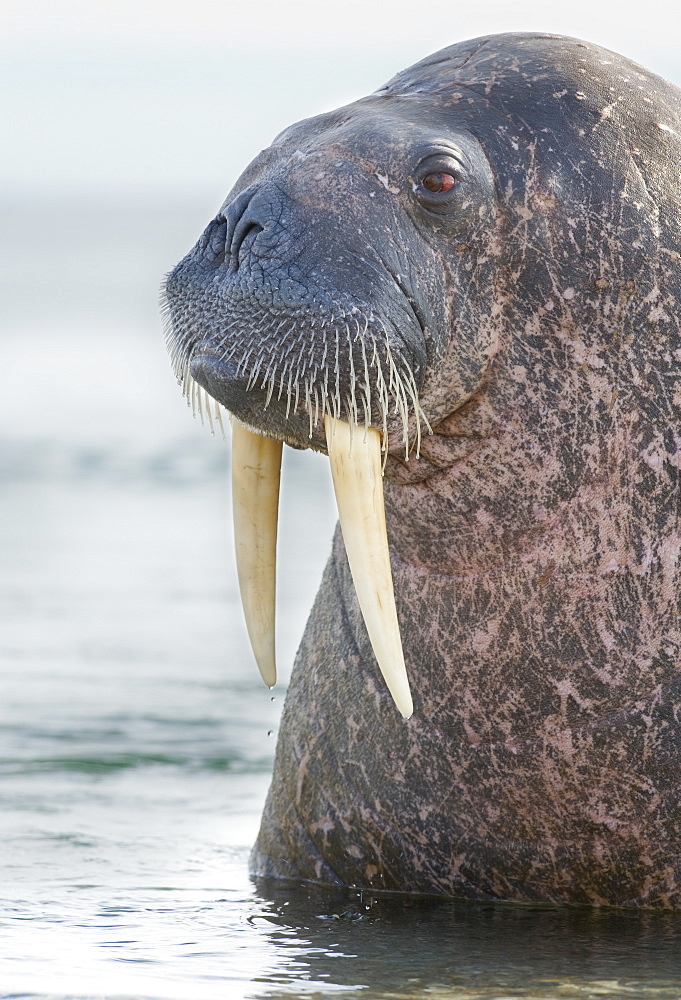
[[550, 87], [378, 134], [525, 65]]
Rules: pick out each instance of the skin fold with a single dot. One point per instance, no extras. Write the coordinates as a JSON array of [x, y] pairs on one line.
[[528, 317]]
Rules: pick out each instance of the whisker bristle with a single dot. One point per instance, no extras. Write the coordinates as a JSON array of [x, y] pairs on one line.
[[342, 363]]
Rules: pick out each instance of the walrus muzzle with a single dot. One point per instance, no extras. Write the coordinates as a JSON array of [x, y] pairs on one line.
[[355, 456]]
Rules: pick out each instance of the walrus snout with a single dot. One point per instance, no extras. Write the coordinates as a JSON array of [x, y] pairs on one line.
[[291, 320]]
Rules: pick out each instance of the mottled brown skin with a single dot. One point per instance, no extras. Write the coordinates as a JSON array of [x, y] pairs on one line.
[[535, 542]]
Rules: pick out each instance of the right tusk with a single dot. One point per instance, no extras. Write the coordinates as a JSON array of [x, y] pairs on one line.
[[355, 458], [256, 469]]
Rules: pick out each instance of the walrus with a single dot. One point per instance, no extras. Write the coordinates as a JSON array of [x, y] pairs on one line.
[[464, 287]]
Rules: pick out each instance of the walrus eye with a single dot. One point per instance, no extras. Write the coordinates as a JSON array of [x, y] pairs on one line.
[[438, 183]]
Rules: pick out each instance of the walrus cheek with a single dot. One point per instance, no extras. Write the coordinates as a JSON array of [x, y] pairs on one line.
[[355, 457]]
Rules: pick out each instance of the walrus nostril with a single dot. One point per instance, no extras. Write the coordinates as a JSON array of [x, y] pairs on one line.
[[225, 236], [245, 231], [212, 243], [216, 243], [239, 223]]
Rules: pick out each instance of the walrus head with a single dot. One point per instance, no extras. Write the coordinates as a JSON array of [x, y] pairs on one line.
[[323, 285], [472, 249]]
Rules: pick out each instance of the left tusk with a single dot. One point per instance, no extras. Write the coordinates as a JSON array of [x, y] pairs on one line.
[[256, 469], [356, 469]]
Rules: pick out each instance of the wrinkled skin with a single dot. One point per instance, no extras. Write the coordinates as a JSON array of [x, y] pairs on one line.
[[535, 540]]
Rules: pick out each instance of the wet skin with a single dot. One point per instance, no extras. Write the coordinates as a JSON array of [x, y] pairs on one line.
[[530, 311]]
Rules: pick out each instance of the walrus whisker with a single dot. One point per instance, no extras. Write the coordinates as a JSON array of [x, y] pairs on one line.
[[218, 414], [399, 395], [269, 379], [337, 405], [288, 393], [366, 391], [316, 406], [418, 412], [325, 398], [260, 371], [300, 357], [351, 364], [308, 407], [243, 363], [382, 394], [209, 415]]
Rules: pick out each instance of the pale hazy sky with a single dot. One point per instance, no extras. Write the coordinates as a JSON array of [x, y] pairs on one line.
[[432, 24], [178, 96]]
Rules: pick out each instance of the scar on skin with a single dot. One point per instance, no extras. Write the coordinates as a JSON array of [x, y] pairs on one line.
[[386, 183]]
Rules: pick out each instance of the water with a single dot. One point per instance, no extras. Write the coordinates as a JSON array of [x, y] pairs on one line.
[[134, 730]]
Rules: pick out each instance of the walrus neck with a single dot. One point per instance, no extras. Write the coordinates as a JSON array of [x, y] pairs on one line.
[[485, 497], [453, 439]]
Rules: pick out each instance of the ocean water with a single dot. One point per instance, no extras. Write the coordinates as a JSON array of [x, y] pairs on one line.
[[136, 739]]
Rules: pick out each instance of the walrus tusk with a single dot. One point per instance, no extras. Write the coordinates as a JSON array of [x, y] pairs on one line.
[[256, 468], [356, 469]]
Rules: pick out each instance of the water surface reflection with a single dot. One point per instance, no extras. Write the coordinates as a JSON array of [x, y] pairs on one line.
[[380, 947]]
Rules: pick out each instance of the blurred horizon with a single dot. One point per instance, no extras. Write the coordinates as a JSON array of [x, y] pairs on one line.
[[176, 99]]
